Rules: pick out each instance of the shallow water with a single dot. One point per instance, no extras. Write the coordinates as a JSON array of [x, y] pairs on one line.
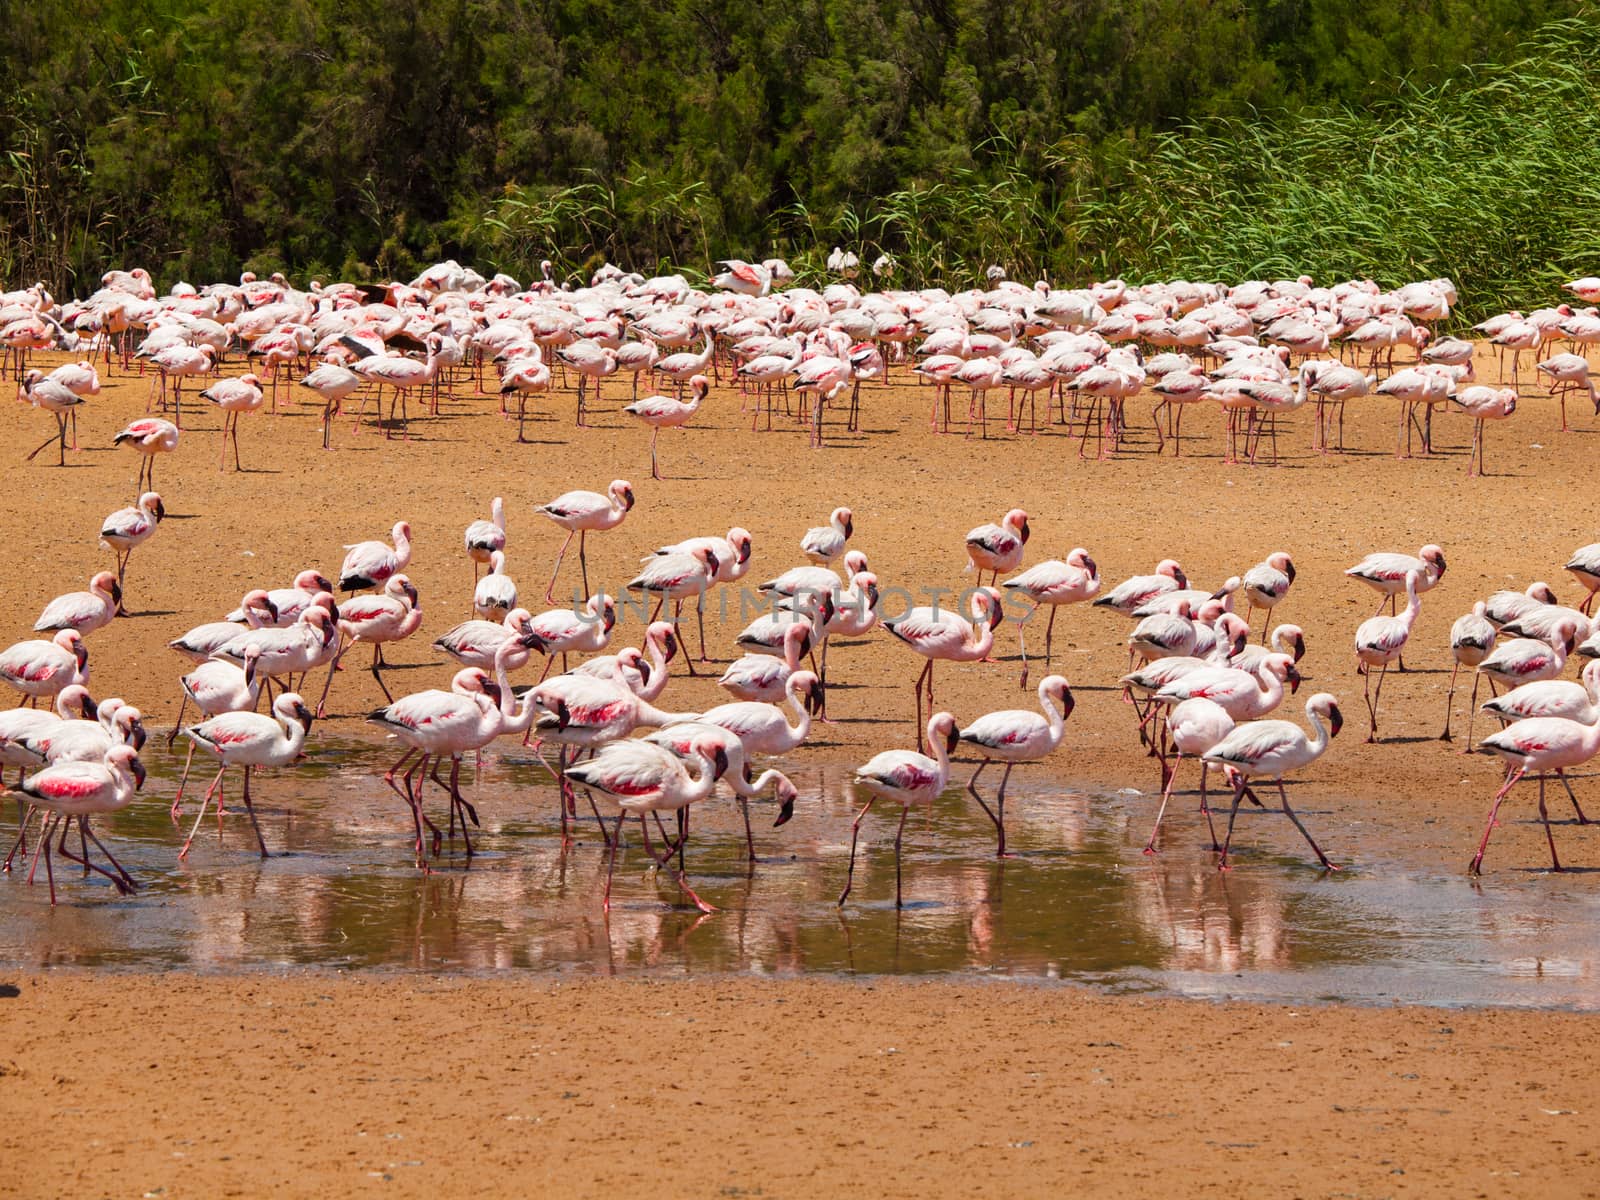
[[1080, 903]]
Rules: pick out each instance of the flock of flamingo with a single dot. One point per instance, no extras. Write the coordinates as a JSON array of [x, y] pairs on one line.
[[1253, 352], [1200, 683]]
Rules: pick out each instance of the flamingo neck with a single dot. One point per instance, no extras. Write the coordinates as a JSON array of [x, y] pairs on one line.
[[1053, 715], [802, 727], [1319, 731]]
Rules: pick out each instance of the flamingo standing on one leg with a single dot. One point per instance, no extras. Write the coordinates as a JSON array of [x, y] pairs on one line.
[[1471, 639], [234, 397], [1270, 750], [906, 778], [1542, 745], [1567, 372], [1017, 735]]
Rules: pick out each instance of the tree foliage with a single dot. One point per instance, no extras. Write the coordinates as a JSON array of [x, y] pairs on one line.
[[363, 137]]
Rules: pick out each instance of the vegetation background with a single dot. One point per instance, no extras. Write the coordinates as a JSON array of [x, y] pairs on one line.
[[1217, 139]]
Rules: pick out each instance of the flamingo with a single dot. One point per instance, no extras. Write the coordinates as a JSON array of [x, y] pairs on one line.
[[333, 383], [523, 377], [764, 728], [1164, 635], [1017, 735], [1505, 607], [287, 604], [1472, 637], [377, 620], [584, 631], [824, 543], [496, 593], [999, 547], [309, 642], [1552, 698], [684, 366], [483, 538], [215, 687], [150, 436], [1517, 337], [128, 528], [645, 679], [475, 643], [248, 740], [581, 513], [434, 723], [1194, 727], [732, 551], [83, 611], [763, 677], [639, 778], [1266, 583], [369, 564], [813, 581], [906, 778], [1523, 660], [1567, 372], [201, 642], [75, 791], [1584, 564], [1486, 404], [1542, 745], [1380, 640], [680, 740], [1270, 750], [1545, 622], [591, 361], [1053, 583], [177, 363], [234, 397], [1245, 694], [116, 723], [634, 357], [1386, 573], [937, 633], [400, 373], [675, 576], [664, 412], [55, 398], [1140, 589]]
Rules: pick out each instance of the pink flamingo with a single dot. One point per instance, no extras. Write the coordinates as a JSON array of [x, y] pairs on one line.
[[287, 604], [674, 577], [1380, 641], [764, 677], [215, 687], [663, 412], [57, 399], [74, 792], [1585, 567], [1524, 660], [1270, 750], [1504, 607], [128, 528], [1017, 735], [234, 397], [524, 377], [1552, 698], [401, 374], [201, 642], [1567, 372], [937, 633], [475, 643], [581, 513], [483, 538], [1472, 637], [1245, 694], [765, 728], [906, 778], [1386, 573], [1194, 727], [83, 611], [1053, 583], [496, 593], [1542, 745], [1267, 583], [150, 436], [681, 739], [824, 543], [640, 778], [1134, 593], [645, 678], [1486, 404], [583, 631], [682, 367], [369, 564], [591, 361], [999, 547], [178, 363], [333, 383], [376, 621], [248, 740]]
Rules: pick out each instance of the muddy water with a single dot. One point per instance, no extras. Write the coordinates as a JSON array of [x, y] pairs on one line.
[[1080, 902]]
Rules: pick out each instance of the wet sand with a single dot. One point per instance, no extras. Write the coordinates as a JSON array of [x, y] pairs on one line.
[[914, 496]]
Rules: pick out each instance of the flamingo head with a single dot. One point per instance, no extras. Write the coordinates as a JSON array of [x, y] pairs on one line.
[[1080, 559], [1057, 689], [785, 793], [1328, 705], [741, 542], [131, 725], [1170, 568], [845, 520], [622, 491], [631, 657], [943, 726], [1282, 562], [1434, 556], [662, 632], [1018, 519], [992, 603]]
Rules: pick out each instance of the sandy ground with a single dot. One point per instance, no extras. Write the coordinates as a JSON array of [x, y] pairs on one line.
[[914, 495]]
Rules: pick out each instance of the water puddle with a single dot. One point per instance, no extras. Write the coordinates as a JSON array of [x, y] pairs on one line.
[[1081, 903]]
